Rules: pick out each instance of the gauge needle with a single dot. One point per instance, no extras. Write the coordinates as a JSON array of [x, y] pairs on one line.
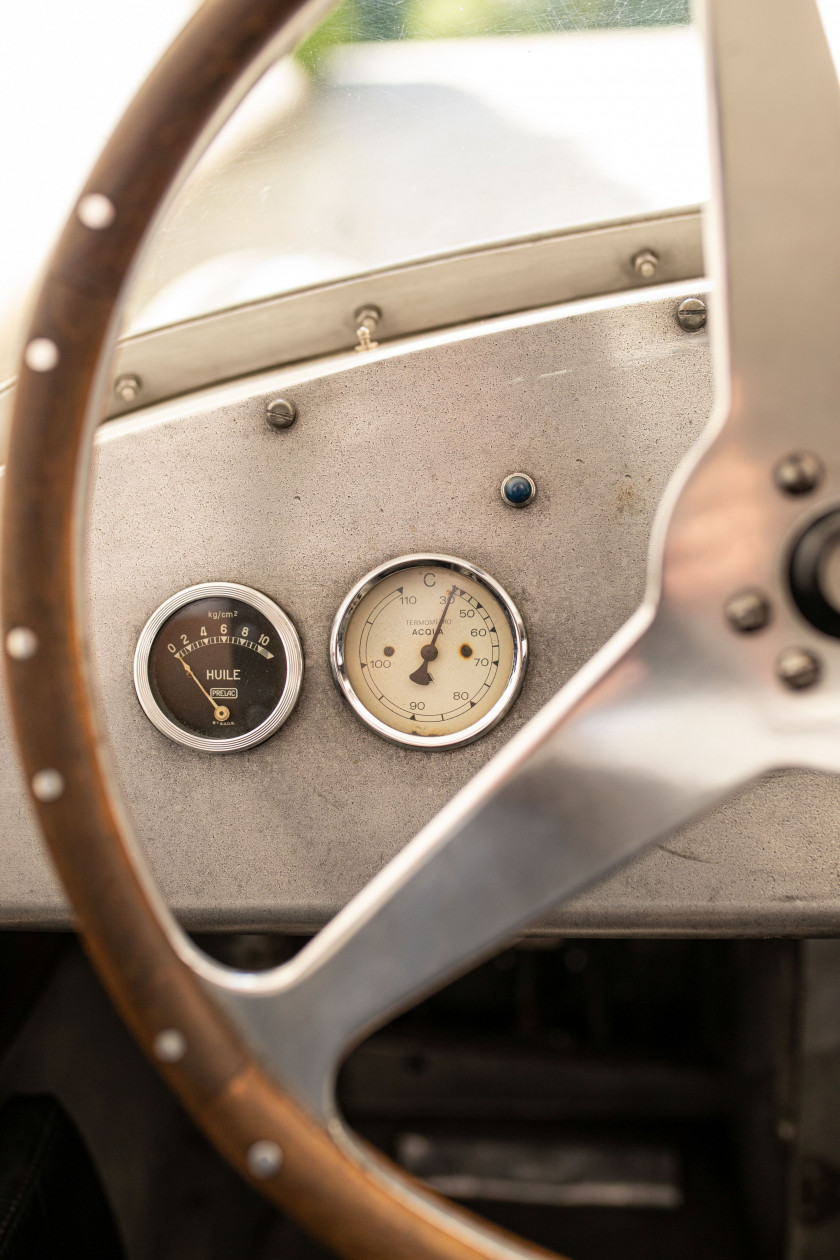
[[220, 713], [429, 651]]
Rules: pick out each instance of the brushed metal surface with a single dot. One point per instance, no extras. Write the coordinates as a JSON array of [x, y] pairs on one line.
[[599, 400]]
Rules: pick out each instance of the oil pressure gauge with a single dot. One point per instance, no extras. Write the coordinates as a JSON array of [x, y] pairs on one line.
[[429, 651], [218, 667]]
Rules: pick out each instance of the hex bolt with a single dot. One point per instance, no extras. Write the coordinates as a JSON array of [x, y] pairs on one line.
[[127, 387], [747, 611], [798, 668], [281, 413], [798, 473], [366, 320], [691, 314], [645, 264]]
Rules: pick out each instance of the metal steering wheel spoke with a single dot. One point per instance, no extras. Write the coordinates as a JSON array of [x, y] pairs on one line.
[[629, 750], [775, 113], [679, 709]]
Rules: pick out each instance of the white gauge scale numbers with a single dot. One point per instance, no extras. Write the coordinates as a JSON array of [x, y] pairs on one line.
[[218, 667], [429, 651]]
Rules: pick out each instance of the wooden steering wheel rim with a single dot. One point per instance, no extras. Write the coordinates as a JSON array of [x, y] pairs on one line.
[[344, 1201]]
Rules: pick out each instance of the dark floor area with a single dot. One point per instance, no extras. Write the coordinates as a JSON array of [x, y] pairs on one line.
[[604, 1098]]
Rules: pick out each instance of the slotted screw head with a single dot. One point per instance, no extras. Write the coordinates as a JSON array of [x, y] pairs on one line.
[[281, 413], [691, 314], [747, 611], [798, 668], [798, 473]]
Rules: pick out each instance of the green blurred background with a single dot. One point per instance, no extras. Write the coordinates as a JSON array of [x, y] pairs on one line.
[[363, 21]]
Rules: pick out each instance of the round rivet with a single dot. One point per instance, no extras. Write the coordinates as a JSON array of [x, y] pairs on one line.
[[747, 611], [127, 387], [798, 473], [47, 785], [798, 668], [21, 643], [691, 314], [264, 1159], [96, 211], [170, 1045], [518, 490], [281, 413], [41, 354], [645, 264]]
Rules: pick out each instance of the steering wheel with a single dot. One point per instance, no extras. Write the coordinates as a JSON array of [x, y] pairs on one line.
[[730, 668]]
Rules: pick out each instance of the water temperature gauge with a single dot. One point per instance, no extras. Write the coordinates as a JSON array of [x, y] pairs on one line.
[[429, 651], [218, 667]]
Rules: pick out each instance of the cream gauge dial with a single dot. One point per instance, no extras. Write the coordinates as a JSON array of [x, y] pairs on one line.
[[429, 651]]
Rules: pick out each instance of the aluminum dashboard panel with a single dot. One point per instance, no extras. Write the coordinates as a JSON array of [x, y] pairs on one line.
[[399, 451]]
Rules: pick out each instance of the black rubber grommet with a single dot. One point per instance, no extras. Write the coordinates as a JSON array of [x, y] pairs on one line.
[[807, 561]]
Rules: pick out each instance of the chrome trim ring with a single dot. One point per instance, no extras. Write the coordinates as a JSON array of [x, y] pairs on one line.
[[500, 708], [291, 646]]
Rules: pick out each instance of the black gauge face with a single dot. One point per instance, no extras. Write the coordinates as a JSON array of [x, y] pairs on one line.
[[217, 668], [216, 671]]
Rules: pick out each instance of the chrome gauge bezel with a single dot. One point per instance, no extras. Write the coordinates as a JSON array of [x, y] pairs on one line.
[[512, 688], [294, 667]]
